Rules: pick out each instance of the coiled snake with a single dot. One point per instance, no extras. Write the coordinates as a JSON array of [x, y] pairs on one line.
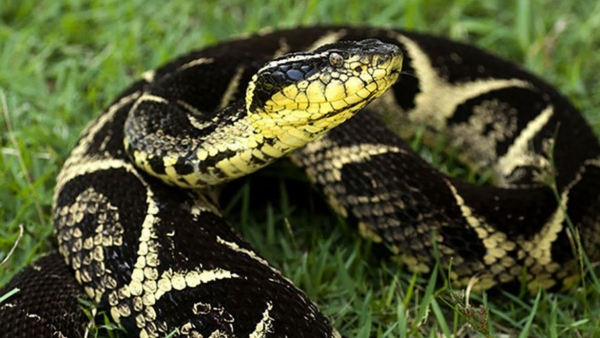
[[136, 221]]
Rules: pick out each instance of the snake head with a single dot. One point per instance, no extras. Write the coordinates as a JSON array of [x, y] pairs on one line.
[[315, 91]]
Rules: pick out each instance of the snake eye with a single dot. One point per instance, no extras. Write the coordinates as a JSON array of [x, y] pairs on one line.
[[336, 59]]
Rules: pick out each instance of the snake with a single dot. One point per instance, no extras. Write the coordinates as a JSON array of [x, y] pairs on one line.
[[140, 232]]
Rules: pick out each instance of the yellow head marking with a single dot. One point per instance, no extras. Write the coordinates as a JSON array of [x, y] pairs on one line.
[[316, 91]]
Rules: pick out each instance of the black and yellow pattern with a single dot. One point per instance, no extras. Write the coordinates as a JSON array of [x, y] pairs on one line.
[[161, 258]]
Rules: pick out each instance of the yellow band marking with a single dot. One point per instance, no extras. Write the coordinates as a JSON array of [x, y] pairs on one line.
[[234, 84], [284, 48], [151, 98], [432, 110], [520, 153], [89, 165], [93, 128], [197, 62], [340, 156], [233, 246], [149, 75], [265, 326]]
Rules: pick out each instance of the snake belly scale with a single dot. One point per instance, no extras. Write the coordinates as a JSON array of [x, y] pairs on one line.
[[137, 222]]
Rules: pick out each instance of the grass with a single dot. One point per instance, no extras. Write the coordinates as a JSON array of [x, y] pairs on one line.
[[63, 61]]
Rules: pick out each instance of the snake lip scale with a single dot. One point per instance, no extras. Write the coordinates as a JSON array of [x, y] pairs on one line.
[[140, 234]]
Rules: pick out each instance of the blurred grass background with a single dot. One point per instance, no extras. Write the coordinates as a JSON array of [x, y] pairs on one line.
[[61, 62]]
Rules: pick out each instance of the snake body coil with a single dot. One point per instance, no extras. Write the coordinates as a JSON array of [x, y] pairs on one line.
[[161, 259]]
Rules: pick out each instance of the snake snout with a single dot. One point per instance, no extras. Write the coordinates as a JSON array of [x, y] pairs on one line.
[[382, 52]]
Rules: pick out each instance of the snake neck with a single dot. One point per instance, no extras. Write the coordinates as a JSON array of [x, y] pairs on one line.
[[250, 142], [215, 149]]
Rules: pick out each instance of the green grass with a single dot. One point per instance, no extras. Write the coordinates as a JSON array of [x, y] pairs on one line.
[[62, 61]]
